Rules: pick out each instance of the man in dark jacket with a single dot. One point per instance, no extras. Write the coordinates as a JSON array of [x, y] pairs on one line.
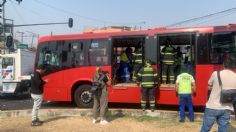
[[37, 93]]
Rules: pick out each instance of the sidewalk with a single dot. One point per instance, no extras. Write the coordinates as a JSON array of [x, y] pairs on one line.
[[88, 112]]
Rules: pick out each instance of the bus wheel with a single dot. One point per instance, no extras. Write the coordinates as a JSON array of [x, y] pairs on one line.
[[83, 97]]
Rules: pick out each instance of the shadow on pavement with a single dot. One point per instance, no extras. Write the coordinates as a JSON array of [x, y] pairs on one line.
[[119, 114], [54, 119]]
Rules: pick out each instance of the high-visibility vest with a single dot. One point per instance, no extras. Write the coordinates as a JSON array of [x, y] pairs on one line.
[[168, 55], [185, 83], [147, 76], [124, 58]]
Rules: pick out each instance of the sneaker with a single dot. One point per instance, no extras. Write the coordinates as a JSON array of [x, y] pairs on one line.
[[181, 121], [152, 110], [143, 109], [36, 123], [192, 120], [103, 122], [95, 121]]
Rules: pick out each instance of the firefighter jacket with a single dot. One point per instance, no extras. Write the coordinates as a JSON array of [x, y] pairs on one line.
[[137, 57], [168, 54], [147, 76]]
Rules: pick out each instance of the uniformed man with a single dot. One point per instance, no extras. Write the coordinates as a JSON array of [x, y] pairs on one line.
[[147, 77], [137, 61], [185, 86], [168, 60]]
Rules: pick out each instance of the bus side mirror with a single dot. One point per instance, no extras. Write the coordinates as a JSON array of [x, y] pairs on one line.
[[70, 22]]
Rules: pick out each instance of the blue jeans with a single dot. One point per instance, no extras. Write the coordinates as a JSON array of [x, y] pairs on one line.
[[221, 117], [183, 98]]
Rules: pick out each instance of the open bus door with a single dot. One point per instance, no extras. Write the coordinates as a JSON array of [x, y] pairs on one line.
[[125, 90], [184, 44]]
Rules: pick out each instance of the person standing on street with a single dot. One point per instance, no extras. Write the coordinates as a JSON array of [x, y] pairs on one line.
[[147, 77], [37, 93], [216, 111], [100, 106], [185, 87]]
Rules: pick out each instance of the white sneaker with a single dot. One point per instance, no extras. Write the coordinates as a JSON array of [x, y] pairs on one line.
[[94, 121], [103, 122]]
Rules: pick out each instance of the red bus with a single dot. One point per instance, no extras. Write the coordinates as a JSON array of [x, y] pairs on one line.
[[71, 61]]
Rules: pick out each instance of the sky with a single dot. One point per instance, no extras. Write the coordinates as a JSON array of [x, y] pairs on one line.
[[99, 13]]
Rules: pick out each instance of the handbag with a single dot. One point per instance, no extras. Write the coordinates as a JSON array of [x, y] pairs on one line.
[[226, 95]]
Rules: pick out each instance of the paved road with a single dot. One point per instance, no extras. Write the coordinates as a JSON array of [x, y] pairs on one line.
[[11, 102]]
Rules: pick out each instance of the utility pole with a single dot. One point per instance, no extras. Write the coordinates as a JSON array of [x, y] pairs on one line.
[[3, 26]]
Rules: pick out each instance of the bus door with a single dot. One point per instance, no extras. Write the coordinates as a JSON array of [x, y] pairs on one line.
[[124, 86], [171, 65]]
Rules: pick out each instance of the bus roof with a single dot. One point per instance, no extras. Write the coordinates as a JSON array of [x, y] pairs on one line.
[[149, 32]]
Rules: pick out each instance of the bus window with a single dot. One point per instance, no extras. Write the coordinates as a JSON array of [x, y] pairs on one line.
[[221, 45], [49, 55], [98, 53]]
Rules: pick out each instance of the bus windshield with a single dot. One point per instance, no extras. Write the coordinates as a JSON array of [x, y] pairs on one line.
[[6, 61]]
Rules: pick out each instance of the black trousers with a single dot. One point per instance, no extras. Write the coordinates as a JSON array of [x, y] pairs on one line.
[[168, 73], [148, 93]]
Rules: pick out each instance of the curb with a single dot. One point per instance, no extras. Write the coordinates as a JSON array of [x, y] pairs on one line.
[[88, 112]]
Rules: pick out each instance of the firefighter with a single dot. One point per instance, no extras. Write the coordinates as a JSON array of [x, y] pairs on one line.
[[147, 77], [137, 61], [168, 60]]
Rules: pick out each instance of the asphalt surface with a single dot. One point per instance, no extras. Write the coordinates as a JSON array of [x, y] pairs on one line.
[[21, 102]]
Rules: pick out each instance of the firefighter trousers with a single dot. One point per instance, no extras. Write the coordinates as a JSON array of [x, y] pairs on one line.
[[100, 106], [148, 93], [168, 73]]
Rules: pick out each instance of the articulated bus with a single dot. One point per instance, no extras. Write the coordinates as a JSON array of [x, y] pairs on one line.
[[71, 61]]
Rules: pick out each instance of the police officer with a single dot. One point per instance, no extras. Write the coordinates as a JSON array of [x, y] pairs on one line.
[[168, 60], [137, 61], [147, 76], [185, 86]]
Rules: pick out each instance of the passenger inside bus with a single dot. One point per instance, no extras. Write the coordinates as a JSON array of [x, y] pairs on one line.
[[125, 60]]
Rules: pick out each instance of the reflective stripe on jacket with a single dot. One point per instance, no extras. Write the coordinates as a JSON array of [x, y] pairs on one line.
[[147, 77]]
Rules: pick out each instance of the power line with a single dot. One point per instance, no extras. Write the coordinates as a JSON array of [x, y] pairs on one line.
[[201, 18], [85, 17], [20, 16], [219, 17], [34, 12]]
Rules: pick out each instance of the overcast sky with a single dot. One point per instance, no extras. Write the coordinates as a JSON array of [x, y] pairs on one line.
[[99, 13]]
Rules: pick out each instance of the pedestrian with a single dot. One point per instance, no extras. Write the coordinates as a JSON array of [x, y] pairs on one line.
[[37, 93], [216, 111], [168, 61], [147, 77], [185, 87], [100, 106]]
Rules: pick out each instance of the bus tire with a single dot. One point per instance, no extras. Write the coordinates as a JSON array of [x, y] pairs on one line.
[[83, 97]]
